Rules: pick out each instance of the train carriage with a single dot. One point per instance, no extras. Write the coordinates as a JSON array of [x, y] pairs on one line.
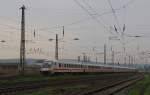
[[73, 66]]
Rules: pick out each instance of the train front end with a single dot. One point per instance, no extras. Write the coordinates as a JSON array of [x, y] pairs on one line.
[[46, 67]]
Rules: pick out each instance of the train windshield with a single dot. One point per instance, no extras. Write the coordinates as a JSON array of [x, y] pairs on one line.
[[47, 64]]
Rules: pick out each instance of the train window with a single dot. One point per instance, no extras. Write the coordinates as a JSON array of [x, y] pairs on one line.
[[65, 65], [59, 65], [77, 66], [74, 66], [68, 65], [89, 67], [93, 67], [84, 66]]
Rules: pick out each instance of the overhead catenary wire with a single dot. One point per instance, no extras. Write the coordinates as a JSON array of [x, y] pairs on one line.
[[85, 19], [71, 23], [115, 16], [93, 10], [128, 3], [91, 15]]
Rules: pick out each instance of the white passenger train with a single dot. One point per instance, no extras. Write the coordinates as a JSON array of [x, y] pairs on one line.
[[73, 66]]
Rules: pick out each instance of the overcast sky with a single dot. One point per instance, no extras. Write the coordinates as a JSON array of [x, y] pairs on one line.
[[92, 21]]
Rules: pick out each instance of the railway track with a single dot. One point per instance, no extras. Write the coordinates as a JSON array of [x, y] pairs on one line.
[[112, 88], [5, 77], [25, 86]]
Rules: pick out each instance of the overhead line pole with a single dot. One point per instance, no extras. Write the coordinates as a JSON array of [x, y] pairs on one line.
[[104, 53], [56, 48], [22, 42], [113, 57]]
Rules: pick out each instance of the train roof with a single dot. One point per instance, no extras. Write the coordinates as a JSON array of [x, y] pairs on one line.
[[71, 61]]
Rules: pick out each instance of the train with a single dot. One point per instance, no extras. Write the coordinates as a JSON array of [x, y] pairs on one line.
[[74, 66]]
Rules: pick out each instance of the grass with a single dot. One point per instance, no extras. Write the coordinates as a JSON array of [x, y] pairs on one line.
[[21, 78], [67, 89], [147, 91], [56, 91], [142, 87], [27, 78]]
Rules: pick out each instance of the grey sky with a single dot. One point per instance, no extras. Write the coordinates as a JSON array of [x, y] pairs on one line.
[[47, 17]]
